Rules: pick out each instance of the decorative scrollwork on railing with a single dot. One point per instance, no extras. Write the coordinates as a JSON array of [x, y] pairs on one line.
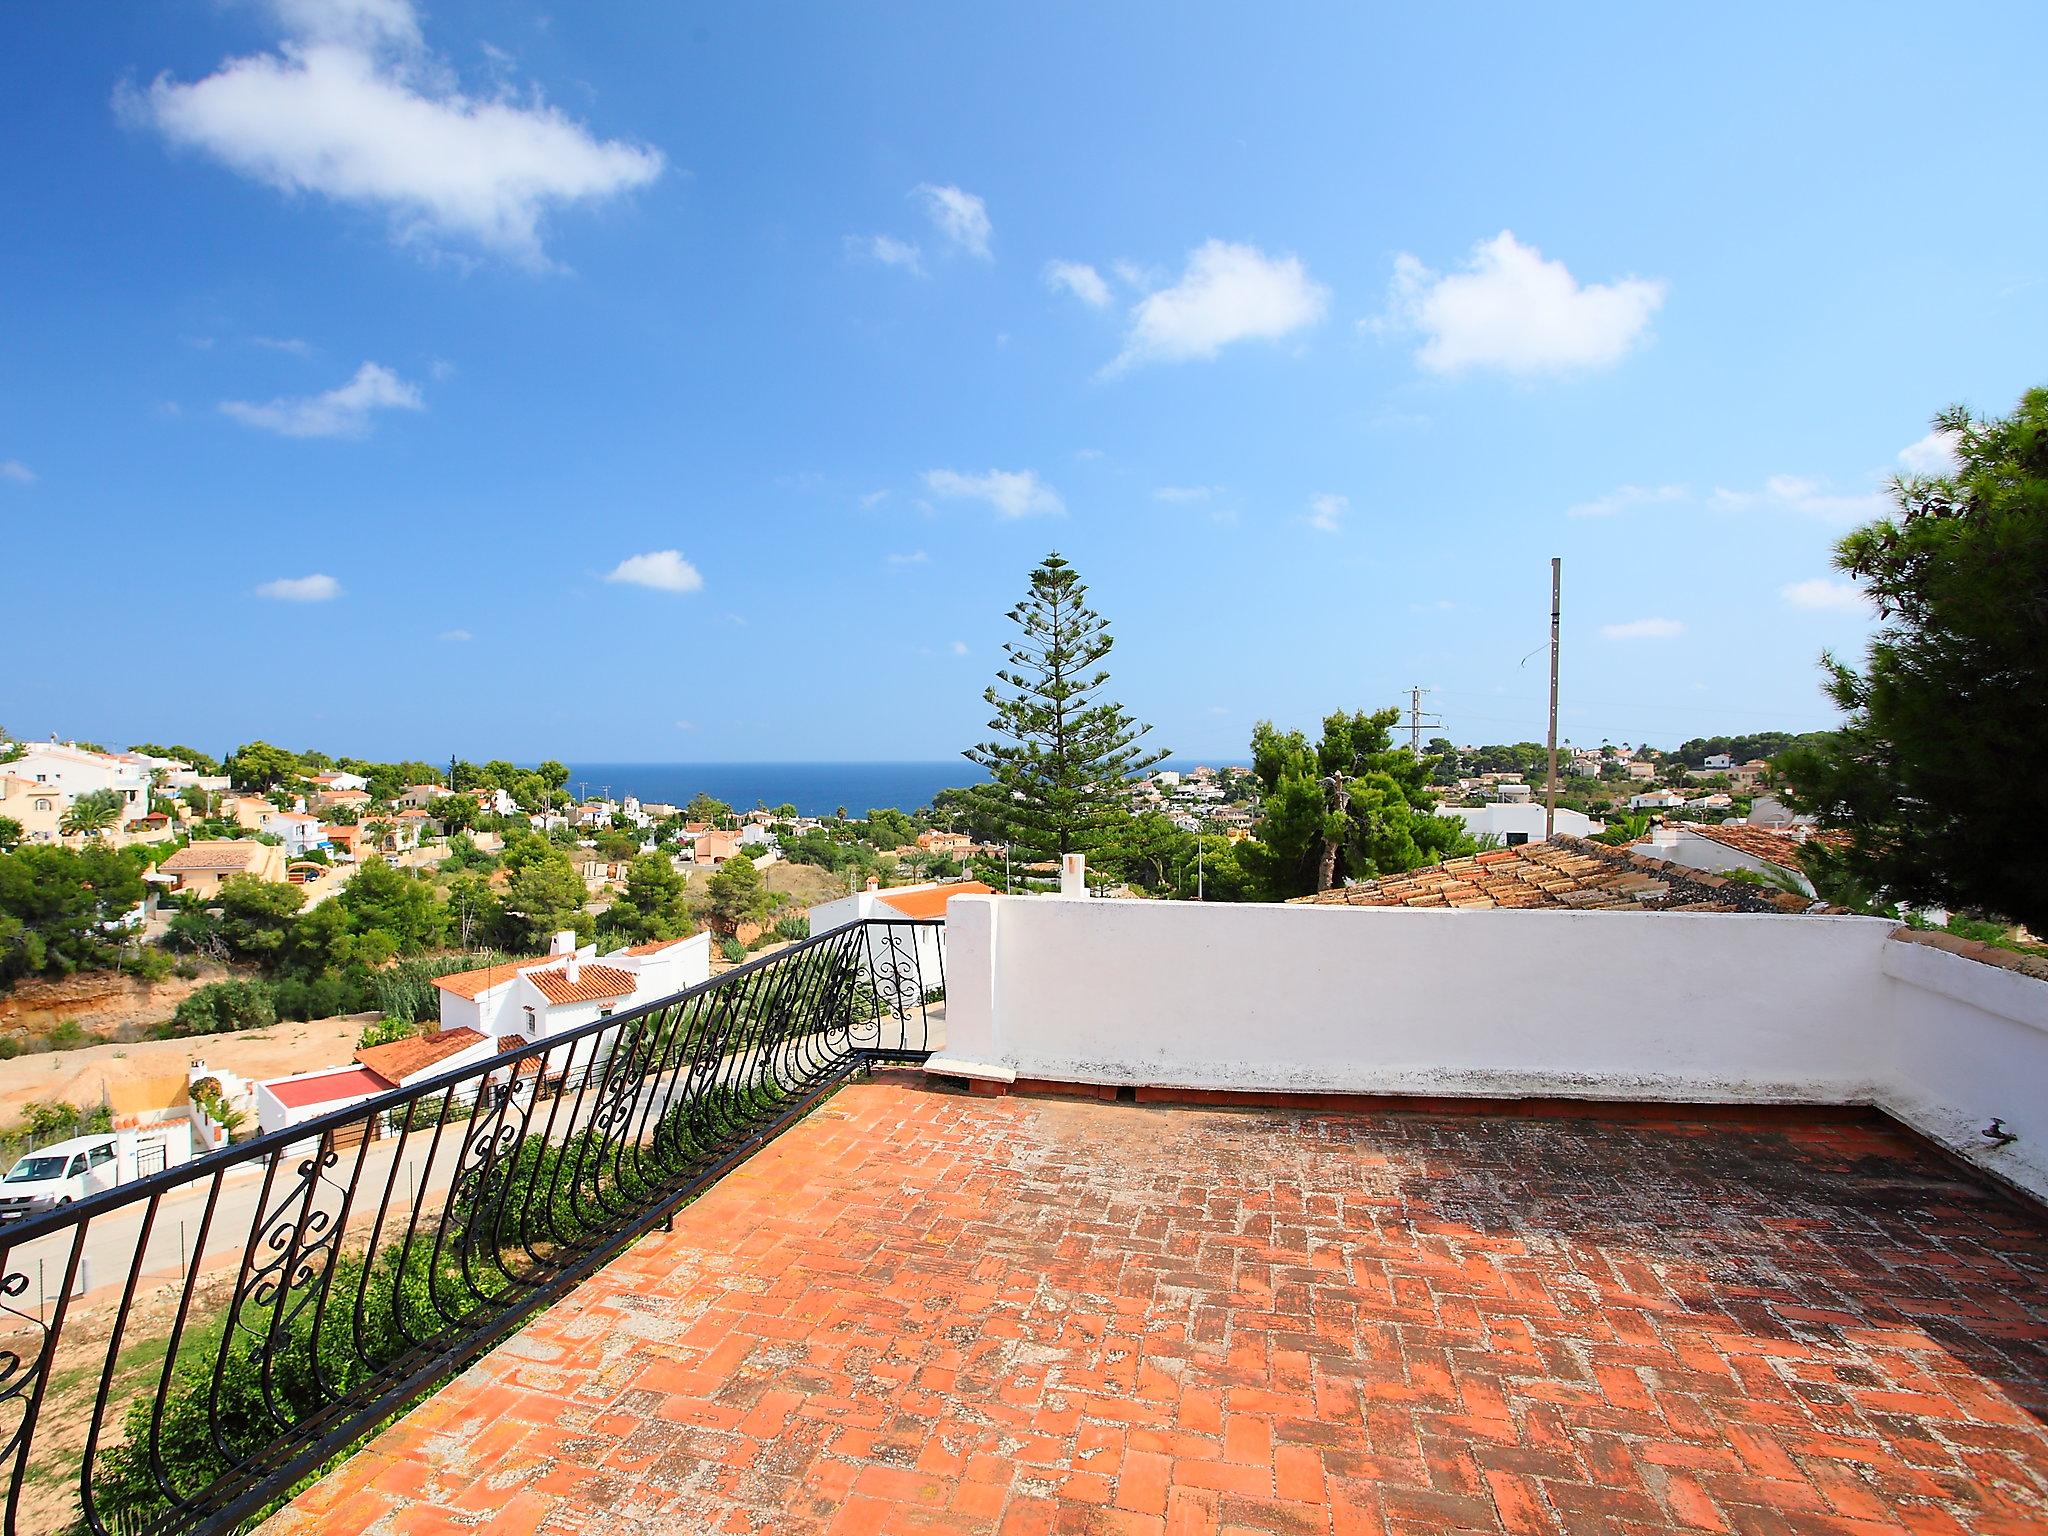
[[304, 1286]]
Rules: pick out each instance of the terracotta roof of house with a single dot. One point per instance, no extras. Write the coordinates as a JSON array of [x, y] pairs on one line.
[[1780, 848], [346, 1083], [1565, 873], [401, 1059], [473, 984], [203, 858], [930, 900], [528, 1066], [594, 984], [656, 946]]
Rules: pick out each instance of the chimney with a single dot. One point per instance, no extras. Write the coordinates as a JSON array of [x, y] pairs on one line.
[[873, 883], [564, 943], [1073, 874], [573, 971]]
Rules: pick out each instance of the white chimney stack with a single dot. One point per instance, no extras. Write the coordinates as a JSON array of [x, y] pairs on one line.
[[564, 943], [573, 971], [874, 884], [1073, 874]]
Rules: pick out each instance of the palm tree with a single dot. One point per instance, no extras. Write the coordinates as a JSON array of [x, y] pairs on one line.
[[91, 814]]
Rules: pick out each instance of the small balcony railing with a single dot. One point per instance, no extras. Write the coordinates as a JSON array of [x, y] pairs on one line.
[[184, 1351]]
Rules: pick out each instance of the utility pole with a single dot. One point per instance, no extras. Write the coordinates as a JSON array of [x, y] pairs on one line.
[[1416, 723], [1550, 779]]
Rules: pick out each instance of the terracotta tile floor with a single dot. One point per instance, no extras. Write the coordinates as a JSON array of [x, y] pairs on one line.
[[931, 1313]]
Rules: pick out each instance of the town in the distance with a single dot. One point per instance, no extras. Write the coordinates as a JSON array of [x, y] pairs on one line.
[[228, 946]]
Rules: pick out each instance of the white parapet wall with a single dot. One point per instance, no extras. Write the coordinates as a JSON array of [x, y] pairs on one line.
[[1667, 1006]]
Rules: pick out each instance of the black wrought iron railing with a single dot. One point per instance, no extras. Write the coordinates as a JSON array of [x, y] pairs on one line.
[[180, 1353]]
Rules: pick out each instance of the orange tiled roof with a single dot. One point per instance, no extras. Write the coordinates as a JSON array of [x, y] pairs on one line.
[[473, 984], [400, 1059], [1565, 873], [1780, 848], [594, 984], [202, 858], [930, 901], [656, 946]]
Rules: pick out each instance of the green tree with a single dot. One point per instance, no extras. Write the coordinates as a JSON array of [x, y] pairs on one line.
[[1927, 775], [259, 765], [256, 917], [706, 808], [1061, 754], [473, 910], [653, 904], [736, 894], [1352, 805], [91, 814], [56, 905], [381, 899], [11, 834], [191, 757], [543, 896]]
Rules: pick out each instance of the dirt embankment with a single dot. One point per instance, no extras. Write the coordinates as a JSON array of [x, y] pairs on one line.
[[110, 1004]]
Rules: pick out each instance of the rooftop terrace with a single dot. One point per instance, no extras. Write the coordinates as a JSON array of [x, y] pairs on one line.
[[922, 1311]]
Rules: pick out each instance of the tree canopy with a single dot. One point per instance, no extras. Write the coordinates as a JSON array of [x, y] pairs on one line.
[[1061, 754], [1929, 774], [1350, 805]]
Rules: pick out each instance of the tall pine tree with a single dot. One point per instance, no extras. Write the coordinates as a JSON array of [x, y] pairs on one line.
[[1062, 755]]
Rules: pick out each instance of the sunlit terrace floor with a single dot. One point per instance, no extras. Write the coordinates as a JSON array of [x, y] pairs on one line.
[[926, 1312]]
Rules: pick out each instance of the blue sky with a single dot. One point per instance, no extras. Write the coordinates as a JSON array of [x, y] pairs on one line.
[[660, 382]]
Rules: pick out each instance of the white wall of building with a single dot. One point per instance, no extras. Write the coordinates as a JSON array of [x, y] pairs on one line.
[[1500, 819], [1689, 1007]]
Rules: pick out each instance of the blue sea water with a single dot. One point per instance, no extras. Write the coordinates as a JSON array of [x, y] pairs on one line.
[[815, 789]]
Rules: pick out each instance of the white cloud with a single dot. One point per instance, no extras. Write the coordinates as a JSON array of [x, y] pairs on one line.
[[1934, 454], [1804, 496], [1227, 293], [1013, 493], [15, 470], [457, 636], [958, 647], [1623, 497], [1079, 279], [889, 251], [1326, 512], [1186, 493], [301, 589], [1088, 454], [1511, 310], [1643, 629], [914, 557], [961, 217], [352, 107], [341, 412], [663, 570], [290, 344], [873, 499], [686, 725], [1822, 594]]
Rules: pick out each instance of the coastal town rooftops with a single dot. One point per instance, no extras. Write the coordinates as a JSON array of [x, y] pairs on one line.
[[1761, 842], [473, 984], [923, 901], [397, 1060], [594, 983], [1565, 873], [206, 858]]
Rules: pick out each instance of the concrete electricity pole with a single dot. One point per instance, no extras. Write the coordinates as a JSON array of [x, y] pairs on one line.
[[1550, 779]]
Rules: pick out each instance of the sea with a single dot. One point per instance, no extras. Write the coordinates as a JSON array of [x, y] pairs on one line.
[[815, 789]]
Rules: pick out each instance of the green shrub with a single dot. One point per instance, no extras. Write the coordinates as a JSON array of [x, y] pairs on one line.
[[733, 950], [221, 1006], [794, 929]]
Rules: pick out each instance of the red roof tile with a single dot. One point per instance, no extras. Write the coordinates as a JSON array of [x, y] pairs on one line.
[[344, 1083], [594, 984], [401, 1059]]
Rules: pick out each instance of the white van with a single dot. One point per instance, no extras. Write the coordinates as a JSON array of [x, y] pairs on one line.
[[86, 1165]]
